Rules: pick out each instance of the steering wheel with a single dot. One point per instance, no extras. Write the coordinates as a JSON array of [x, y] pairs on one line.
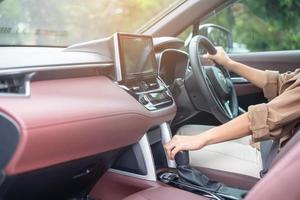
[[210, 87]]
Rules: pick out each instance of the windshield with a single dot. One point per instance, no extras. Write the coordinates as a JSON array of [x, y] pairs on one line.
[[65, 22]]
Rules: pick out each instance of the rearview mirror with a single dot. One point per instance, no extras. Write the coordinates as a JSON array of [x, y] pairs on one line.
[[218, 35]]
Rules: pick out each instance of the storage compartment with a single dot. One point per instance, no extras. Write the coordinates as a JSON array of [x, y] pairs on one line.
[[68, 180], [131, 161], [157, 148]]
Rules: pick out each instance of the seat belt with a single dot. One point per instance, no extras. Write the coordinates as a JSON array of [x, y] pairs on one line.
[[269, 150]]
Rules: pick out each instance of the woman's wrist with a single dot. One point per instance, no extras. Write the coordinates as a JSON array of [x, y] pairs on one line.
[[204, 139], [228, 64], [209, 137]]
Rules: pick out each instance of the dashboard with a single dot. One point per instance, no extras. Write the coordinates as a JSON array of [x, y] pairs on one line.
[[82, 106], [125, 76], [143, 66]]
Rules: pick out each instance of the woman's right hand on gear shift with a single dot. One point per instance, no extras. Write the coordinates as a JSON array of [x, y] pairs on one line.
[[180, 142]]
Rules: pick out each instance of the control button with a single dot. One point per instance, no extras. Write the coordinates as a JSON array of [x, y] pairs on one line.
[[150, 97], [168, 176], [135, 88], [167, 93], [164, 95], [153, 85], [144, 85], [144, 101]]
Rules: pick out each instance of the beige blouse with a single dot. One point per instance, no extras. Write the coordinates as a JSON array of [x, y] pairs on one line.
[[277, 118]]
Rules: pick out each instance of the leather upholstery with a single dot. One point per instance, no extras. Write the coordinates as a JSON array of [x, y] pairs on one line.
[[113, 186], [229, 178], [282, 181], [164, 193], [111, 182], [68, 119]]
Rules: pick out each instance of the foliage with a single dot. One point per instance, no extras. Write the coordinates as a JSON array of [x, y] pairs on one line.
[[260, 25], [263, 24], [64, 22]]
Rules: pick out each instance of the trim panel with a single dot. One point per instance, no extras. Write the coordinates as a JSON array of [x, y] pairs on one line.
[[68, 119], [27, 88], [281, 61], [148, 158], [239, 80], [11, 71]]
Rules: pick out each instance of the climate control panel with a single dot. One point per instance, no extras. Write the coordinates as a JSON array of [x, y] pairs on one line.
[[153, 95]]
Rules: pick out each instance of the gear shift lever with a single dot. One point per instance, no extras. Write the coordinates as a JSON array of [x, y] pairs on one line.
[[182, 158], [193, 180], [191, 175]]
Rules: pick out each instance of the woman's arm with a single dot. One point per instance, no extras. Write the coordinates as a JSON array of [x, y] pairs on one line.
[[236, 128], [255, 76]]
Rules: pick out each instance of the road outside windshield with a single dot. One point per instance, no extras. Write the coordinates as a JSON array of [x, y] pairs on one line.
[[65, 22]]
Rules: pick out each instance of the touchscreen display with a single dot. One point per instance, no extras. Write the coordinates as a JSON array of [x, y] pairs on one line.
[[137, 56]]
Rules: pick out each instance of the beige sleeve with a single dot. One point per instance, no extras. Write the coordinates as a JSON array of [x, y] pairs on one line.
[[268, 119], [274, 81], [271, 84]]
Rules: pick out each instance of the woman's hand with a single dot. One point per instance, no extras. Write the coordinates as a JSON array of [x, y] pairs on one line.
[[180, 142], [220, 57]]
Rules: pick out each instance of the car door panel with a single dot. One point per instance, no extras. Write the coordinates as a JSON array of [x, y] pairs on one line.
[[281, 61]]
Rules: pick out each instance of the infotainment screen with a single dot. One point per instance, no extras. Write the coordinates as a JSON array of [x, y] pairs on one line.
[[137, 58]]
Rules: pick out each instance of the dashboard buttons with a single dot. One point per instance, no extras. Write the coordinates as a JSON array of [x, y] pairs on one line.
[[144, 86], [136, 88], [153, 85], [143, 100], [152, 95], [167, 94]]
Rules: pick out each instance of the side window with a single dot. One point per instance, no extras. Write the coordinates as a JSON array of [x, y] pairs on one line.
[[261, 25]]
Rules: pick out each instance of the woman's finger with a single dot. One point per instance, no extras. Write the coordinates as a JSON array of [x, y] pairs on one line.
[[169, 147], [174, 151]]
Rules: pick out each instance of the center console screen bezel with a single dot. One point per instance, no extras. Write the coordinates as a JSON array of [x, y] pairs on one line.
[[122, 64]]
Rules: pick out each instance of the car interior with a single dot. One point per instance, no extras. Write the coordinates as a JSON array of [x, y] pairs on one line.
[[89, 121]]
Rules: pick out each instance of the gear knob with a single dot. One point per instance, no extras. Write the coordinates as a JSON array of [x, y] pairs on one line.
[[182, 158]]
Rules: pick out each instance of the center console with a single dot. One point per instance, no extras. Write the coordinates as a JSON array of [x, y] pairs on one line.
[[152, 94], [137, 71], [188, 178]]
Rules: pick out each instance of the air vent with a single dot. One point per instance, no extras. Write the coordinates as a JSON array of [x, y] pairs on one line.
[[13, 85]]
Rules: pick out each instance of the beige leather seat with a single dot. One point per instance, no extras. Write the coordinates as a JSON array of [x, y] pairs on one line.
[[232, 156]]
